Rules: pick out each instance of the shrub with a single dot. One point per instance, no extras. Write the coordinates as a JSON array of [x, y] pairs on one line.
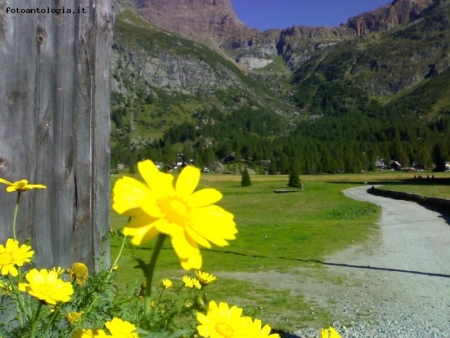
[[294, 179], [245, 180]]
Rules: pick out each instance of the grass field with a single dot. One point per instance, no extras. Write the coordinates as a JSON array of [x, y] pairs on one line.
[[426, 188], [277, 232]]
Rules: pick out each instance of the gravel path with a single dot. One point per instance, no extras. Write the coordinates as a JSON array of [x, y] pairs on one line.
[[398, 287], [406, 290]]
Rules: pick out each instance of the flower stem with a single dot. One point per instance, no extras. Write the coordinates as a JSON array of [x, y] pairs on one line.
[[52, 320], [34, 325], [118, 256], [16, 211], [149, 274], [106, 280], [19, 302]]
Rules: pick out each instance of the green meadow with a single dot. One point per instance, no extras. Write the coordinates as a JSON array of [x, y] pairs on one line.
[[439, 191], [286, 233]]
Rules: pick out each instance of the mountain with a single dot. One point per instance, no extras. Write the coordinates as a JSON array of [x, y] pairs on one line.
[[214, 22], [387, 17], [195, 20], [161, 81], [189, 77]]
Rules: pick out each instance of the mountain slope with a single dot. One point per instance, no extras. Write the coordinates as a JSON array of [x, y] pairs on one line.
[[384, 93], [160, 81], [390, 64]]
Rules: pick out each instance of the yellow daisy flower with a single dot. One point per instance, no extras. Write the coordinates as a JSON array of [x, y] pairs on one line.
[[11, 256], [196, 283], [159, 206], [21, 185], [221, 321], [255, 329], [167, 283], [188, 281], [45, 285], [329, 333], [79, 273], [74, 317], [121, 328], [205, 278], [90, 334]]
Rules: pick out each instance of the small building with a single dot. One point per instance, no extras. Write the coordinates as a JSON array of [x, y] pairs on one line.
[[447, 165], [396, 165], [379, 164]]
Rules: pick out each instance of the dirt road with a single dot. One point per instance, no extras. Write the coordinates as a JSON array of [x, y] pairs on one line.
[[398, 286], [407, 287]]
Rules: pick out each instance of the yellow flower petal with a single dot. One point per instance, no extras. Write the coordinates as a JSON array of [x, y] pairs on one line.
[[11, 189], [160, 183], [198, 238], [142, 229], [167, 283], [204, 197], [21, 185], [45, 286], [205, 278], [187, 181], [35, 186], [121, 328], [214, 224], [11, 255], [194, 262], [329, 333], [223, 321], [5, 181], [190, 219], [131, 194], [184, 247], [188, 282]]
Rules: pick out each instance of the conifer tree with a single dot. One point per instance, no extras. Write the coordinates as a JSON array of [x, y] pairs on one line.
[[272, 168], [245, 179], [132, 168], [294, 179]]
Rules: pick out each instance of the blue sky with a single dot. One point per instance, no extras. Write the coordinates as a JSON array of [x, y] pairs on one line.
[[265, 14]]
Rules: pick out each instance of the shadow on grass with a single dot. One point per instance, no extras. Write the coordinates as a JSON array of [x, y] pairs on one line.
[[316, 261], [396, 181]]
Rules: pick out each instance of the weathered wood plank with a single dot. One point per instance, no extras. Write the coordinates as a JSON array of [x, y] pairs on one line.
[[103, 32], [45, 112], [54, 126]]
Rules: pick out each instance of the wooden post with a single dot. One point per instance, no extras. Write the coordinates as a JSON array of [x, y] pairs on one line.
[[54, 126]]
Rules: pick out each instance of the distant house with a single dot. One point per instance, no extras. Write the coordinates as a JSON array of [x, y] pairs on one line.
[[447, 165], [396, 165], [181, 161], [379, 164]]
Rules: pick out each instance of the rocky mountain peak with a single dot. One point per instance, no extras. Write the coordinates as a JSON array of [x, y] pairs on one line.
[[193, 19], [388, 16]]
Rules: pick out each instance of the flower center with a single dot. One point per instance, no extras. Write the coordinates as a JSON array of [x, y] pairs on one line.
[[5, 258], [224, 330], [175, 210], [47, 289]]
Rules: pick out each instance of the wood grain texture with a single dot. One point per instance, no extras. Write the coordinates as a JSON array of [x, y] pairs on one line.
[[54, 127]]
